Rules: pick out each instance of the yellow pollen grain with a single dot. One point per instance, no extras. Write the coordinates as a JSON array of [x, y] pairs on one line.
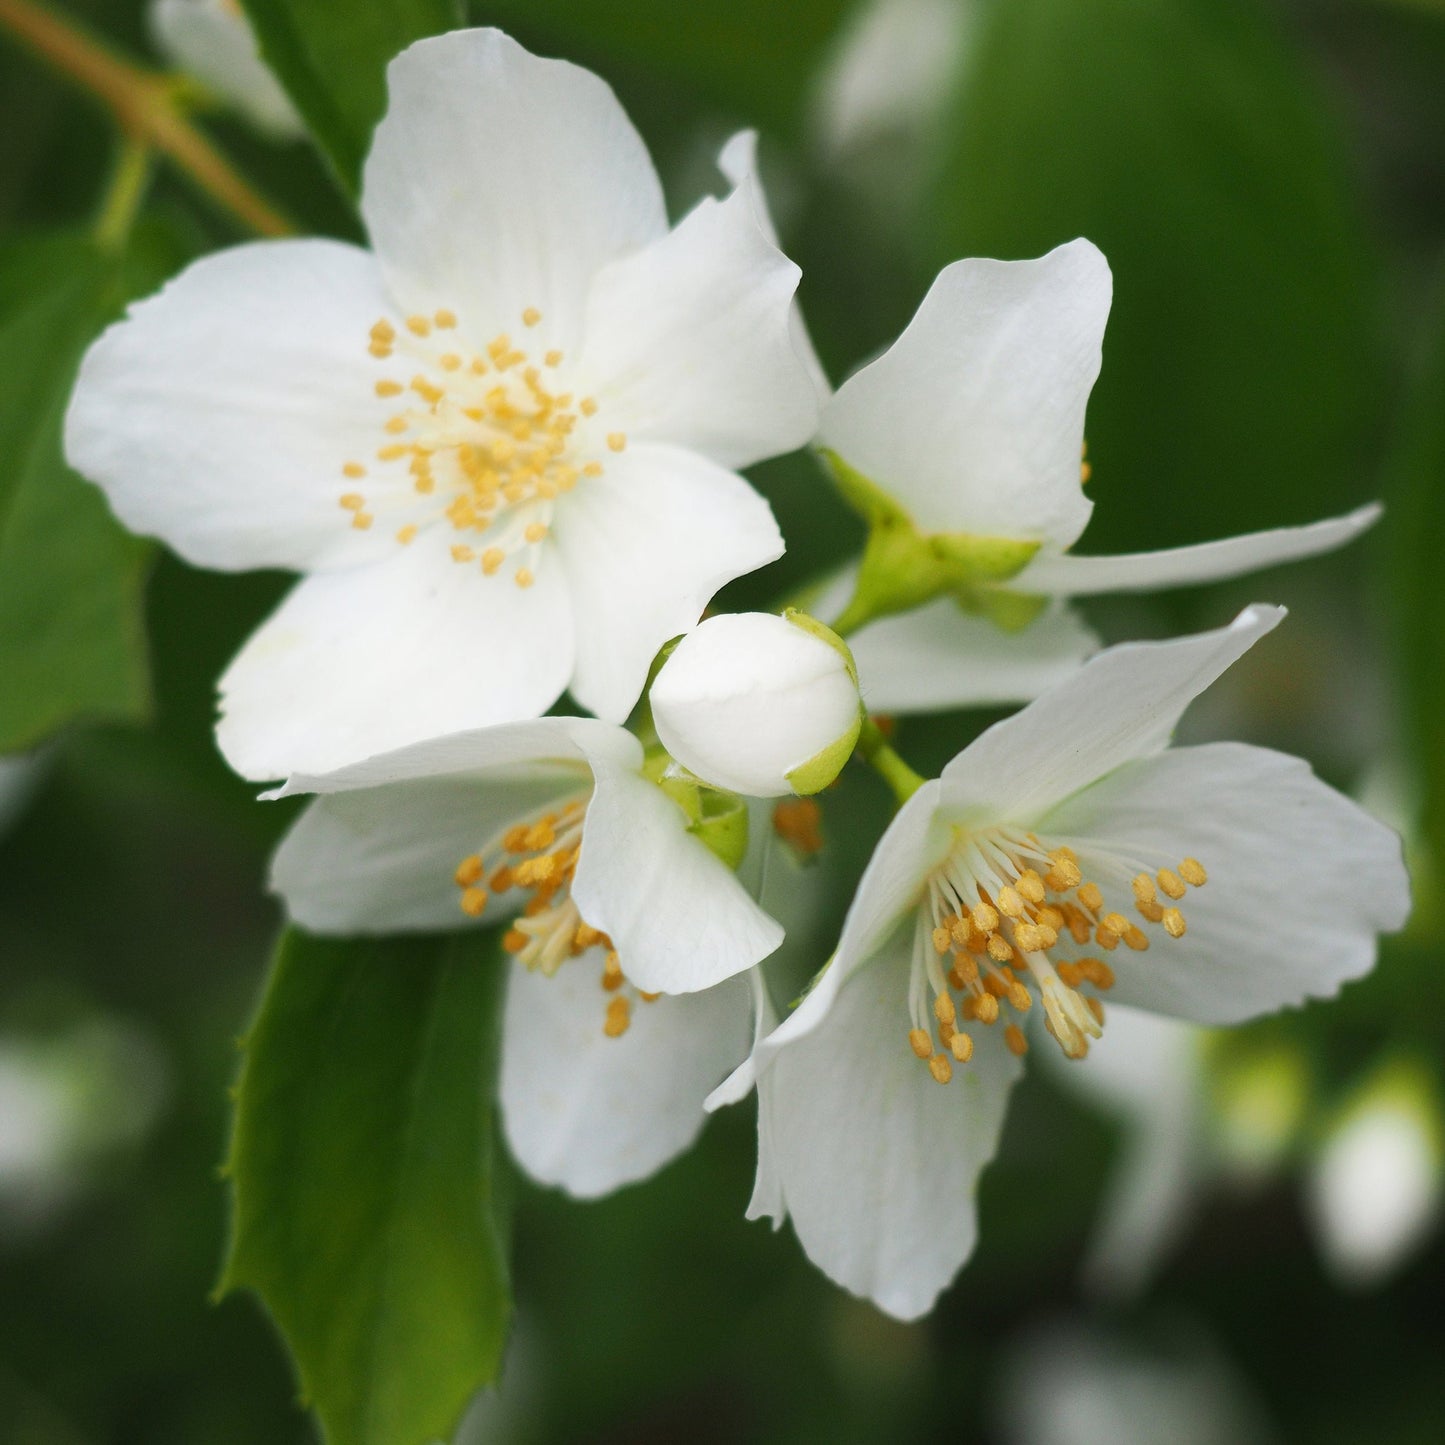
[[1171, 883], [418, 325], [353, 501], [616, 440], [1018, 1045], [535, 531], [523, 577], [943, 1009], [619, 1016], [1090, 897], [1191, 870], [920, 1043], [940, 1068], [1173, 921], [961, 1047], [474, 902]]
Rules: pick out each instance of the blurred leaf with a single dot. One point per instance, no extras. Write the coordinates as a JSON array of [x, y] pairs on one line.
[[1417, 523], [362, 1169], [1241, 381], [332, 58], [71, 640]]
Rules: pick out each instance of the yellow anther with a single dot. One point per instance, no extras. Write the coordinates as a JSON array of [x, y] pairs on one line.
[[461, 553], [1019, 996], [380, 350], [942, 940], [474, 902], [450, 362], [353, 501], [469, 870], [425, 483], [535, 531], [1171, 883], [648, 997], [1134, 938], [393, 452], [1095, 1008], [1029, 937], [920, 1043], [940, 1068], [1010, 904], [1071, 975], [616, 440], [397, 424], [406, 534], [1065, 872], [514, 940], [985, 1008], [612, 978], [492, 560], [619, 1016], [1173, 921], [592, 469], [1144, 888], [1090, 897], [1097, 972], [999, 948], [1116, 923], [383, 332], [389, 388], [1018, 1045], [1191, 870], [552, 358], [418, 325], [943, 1009], [362, 520], [985, 919], [961, 1047], [531, 316], [966, 969], [1031, 886], [1106, 938], [588, 406], [523, 577]]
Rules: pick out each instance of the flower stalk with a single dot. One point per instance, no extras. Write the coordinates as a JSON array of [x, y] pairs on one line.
[[144, 106], [875, 750]]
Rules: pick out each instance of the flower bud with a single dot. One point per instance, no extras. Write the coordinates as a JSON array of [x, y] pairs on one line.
[[759, 704]]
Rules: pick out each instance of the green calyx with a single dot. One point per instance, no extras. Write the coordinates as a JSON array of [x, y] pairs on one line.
[[903, 568], [820, 770], [716, 818]]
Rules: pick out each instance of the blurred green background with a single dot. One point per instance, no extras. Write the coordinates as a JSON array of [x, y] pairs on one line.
[[1267, 180]]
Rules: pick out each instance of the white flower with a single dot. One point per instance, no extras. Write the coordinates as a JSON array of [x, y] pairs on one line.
[[212, 41], [759, 704], [603, 1072], [500, 444], [1375, 1190], [1066, 853], [964, 440]]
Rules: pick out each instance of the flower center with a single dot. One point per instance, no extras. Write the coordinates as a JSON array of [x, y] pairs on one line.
[[539, 856], [481, 441], [1004, 912]]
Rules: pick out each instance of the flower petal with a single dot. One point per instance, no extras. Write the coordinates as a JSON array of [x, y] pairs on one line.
[[645, 547], [1066, 575], [973, 420], [383, 859], [675, 912], [938, 657], [590, 1113], [1301, 880], [1122, 704], [357, 662], [877, 1164], [218, 415], [500, 181], [690, 340]]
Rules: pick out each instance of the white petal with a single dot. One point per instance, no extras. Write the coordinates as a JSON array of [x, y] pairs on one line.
[[1066, 575], [1122, 704], [675, 912], [383, 859], [878, 1164], [590, 1113], [939, 656], [500, 181], [218, 415], [1301, 880], [738, 161], [689, 341], [645, 547], [1148, 1071], [357, 662], [559, 742], [212, 41], [974, 418]]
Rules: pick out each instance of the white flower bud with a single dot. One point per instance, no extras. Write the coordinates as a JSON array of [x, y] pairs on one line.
[[759, 704]]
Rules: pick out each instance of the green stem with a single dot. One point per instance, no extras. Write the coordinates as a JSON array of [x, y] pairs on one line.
[[127, 190], [143, 105], [874, 749]]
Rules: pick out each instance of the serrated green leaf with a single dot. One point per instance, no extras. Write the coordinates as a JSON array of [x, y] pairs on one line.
[[362, 1173], [1242, 377], [71, 637], [332, 56]]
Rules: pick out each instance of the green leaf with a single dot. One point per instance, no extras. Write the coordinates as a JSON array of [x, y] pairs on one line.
[[362, 1173], [331, 55], [71, 637], [1242, 378]]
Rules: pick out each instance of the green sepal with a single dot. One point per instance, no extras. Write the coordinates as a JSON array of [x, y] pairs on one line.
[[1008, 611], [903, 567], [823, 633], [820, 770], [722, 825]]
